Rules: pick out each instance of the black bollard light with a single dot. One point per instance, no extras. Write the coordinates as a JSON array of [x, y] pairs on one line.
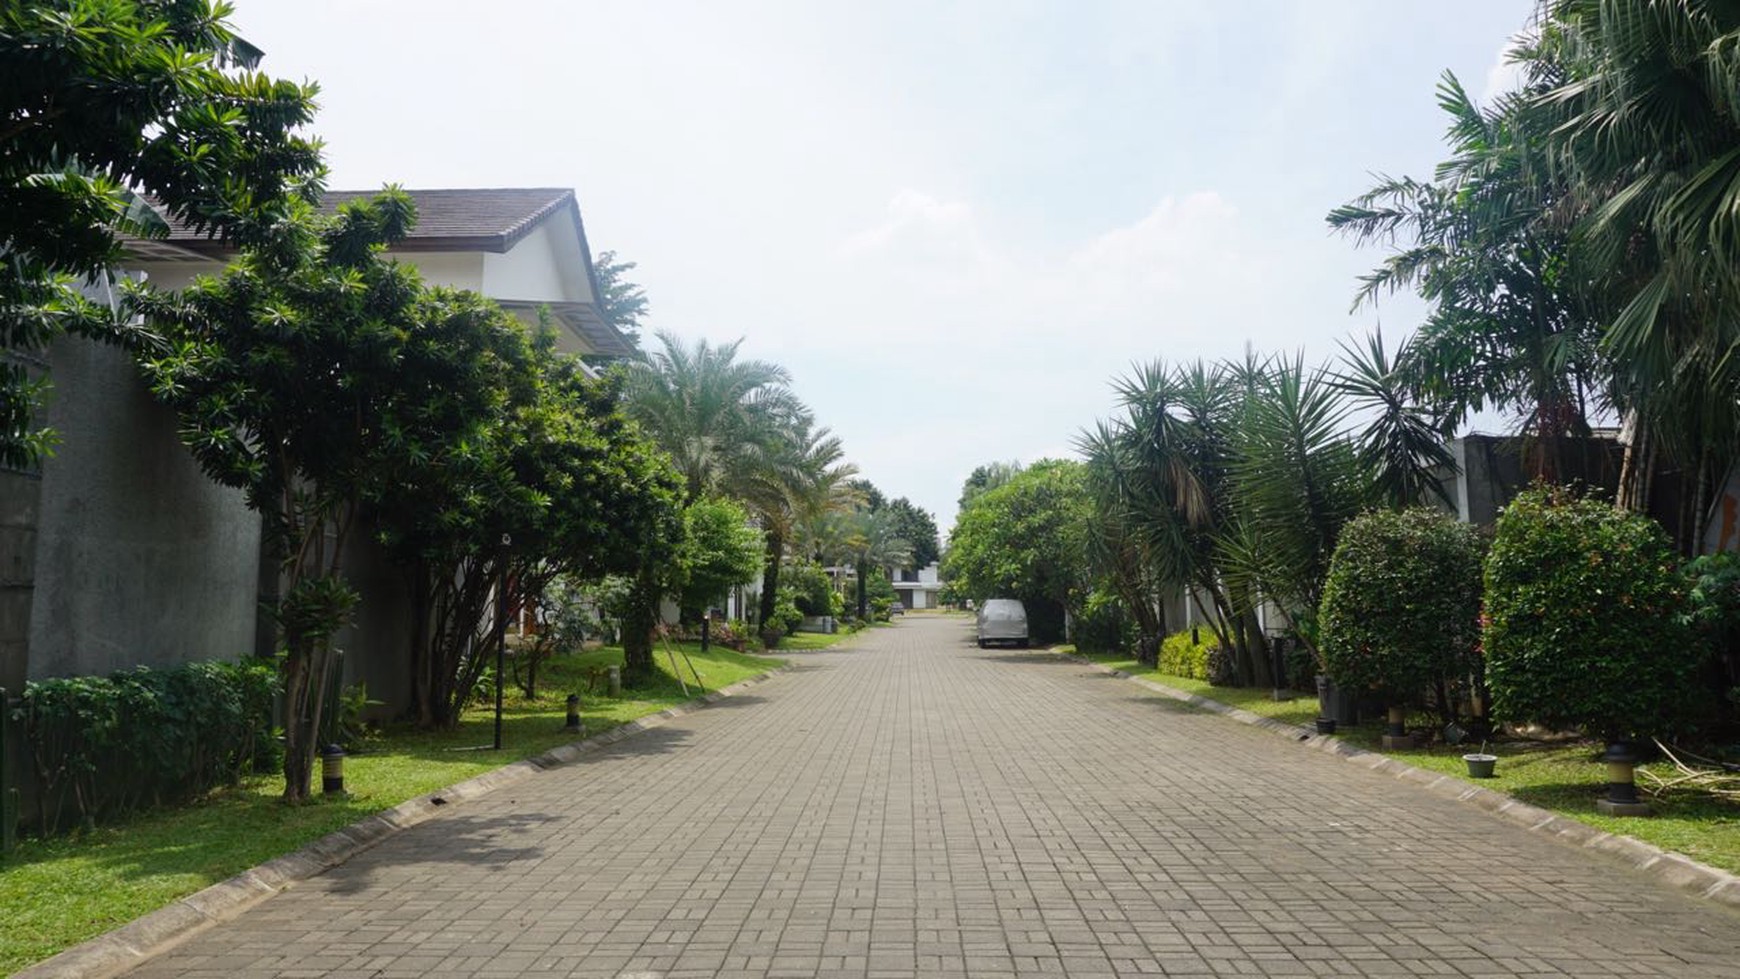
[[332, 770], [573, 713], [706, 627], [1621, 798]]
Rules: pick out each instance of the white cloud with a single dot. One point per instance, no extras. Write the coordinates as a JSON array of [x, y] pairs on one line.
[[914, 215], [1504, 75]]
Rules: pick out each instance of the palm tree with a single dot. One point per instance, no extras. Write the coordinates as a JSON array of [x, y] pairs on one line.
[[708, 410], [1119, 551], [1638, 110], [791, 474], [1297, 480], [1174, 455], [876, 544], [1482, 243]]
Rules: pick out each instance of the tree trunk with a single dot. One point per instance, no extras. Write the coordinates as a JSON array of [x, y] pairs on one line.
[[1262, 654], [422, 600], [305, 682], [863, 590], [770, 587], [638, 623]]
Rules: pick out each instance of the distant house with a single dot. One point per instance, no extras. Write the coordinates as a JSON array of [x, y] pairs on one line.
[[120, 552], [919, 589]]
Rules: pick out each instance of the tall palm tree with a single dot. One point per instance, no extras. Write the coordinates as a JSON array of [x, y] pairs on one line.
[[1482, 243], [1639, 114], [794, 473]]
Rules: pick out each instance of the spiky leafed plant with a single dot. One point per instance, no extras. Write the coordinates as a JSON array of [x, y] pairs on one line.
[[1118, 546], [1402, 446], [1297, 480]]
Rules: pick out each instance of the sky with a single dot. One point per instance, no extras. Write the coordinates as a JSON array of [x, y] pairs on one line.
[[953, 223]]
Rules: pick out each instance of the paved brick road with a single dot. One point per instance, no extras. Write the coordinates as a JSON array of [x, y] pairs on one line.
[[915, 806]]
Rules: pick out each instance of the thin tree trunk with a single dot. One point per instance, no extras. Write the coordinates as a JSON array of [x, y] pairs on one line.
[[638, 624], [770, 586]]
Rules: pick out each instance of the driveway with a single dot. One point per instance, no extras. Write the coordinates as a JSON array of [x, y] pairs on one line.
[[911, 805]]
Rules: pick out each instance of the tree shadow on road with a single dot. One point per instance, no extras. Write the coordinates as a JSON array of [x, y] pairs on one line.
[[470, 840], [738, 700], [1028, 657]]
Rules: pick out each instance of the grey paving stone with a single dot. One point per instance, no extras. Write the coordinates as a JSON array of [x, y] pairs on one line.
[[911, 805]]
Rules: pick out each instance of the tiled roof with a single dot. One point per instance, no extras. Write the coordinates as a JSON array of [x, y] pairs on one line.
[[488, 219]]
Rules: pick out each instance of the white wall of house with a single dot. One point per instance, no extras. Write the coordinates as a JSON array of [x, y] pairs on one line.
[[456, 270], [539, 267]]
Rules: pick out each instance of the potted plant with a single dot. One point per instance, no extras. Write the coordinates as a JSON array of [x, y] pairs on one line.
[[1480, 764]]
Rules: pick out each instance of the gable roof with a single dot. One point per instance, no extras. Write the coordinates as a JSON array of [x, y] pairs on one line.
[[459, 219], [491, 219]]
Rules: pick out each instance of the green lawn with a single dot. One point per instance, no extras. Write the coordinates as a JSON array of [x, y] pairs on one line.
[[1559, 776], [800, 641], [57, 893]]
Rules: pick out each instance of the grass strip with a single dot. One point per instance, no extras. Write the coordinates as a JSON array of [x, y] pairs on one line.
[[59, 892]]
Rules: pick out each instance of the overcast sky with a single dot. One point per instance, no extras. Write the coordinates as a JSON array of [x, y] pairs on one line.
[[954, 223]]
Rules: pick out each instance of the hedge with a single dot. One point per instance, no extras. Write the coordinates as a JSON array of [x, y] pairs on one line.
[[142, 737]]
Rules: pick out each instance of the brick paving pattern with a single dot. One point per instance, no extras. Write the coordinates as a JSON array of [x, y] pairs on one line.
[[915, 806]]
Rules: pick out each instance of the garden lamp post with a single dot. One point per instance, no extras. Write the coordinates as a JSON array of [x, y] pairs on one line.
[[1621, 798]]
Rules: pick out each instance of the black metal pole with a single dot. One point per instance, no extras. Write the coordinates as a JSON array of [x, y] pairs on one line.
[[501, 608]]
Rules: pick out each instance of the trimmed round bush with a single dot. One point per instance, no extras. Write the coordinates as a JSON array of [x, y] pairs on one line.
[[1583, 618], [1401, 606]]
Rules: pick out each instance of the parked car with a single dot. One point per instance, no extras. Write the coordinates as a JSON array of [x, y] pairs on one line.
[[898, 608], [1003, 620]]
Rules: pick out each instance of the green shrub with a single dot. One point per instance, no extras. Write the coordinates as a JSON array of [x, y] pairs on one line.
[[1179, 656], [1401, 605], [142, 737], [1583, 618], [1715, 616], [785, 612], [1103, 626], [812, 590]]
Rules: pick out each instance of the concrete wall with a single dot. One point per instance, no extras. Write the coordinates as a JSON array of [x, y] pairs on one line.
[[377, 643], [140, 559], [20, 499]]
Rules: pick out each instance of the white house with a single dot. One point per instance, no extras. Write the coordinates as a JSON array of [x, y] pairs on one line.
[[120, 552], [919, 589]]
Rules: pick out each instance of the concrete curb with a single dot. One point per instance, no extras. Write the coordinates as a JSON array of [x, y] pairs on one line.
[[1674, 869], [123, 948]]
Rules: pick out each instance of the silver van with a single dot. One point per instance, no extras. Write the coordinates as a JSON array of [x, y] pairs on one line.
[[1002, 620]]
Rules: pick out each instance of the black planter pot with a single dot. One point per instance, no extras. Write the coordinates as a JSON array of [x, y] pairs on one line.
[[1326, 725], [1335, 704]]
